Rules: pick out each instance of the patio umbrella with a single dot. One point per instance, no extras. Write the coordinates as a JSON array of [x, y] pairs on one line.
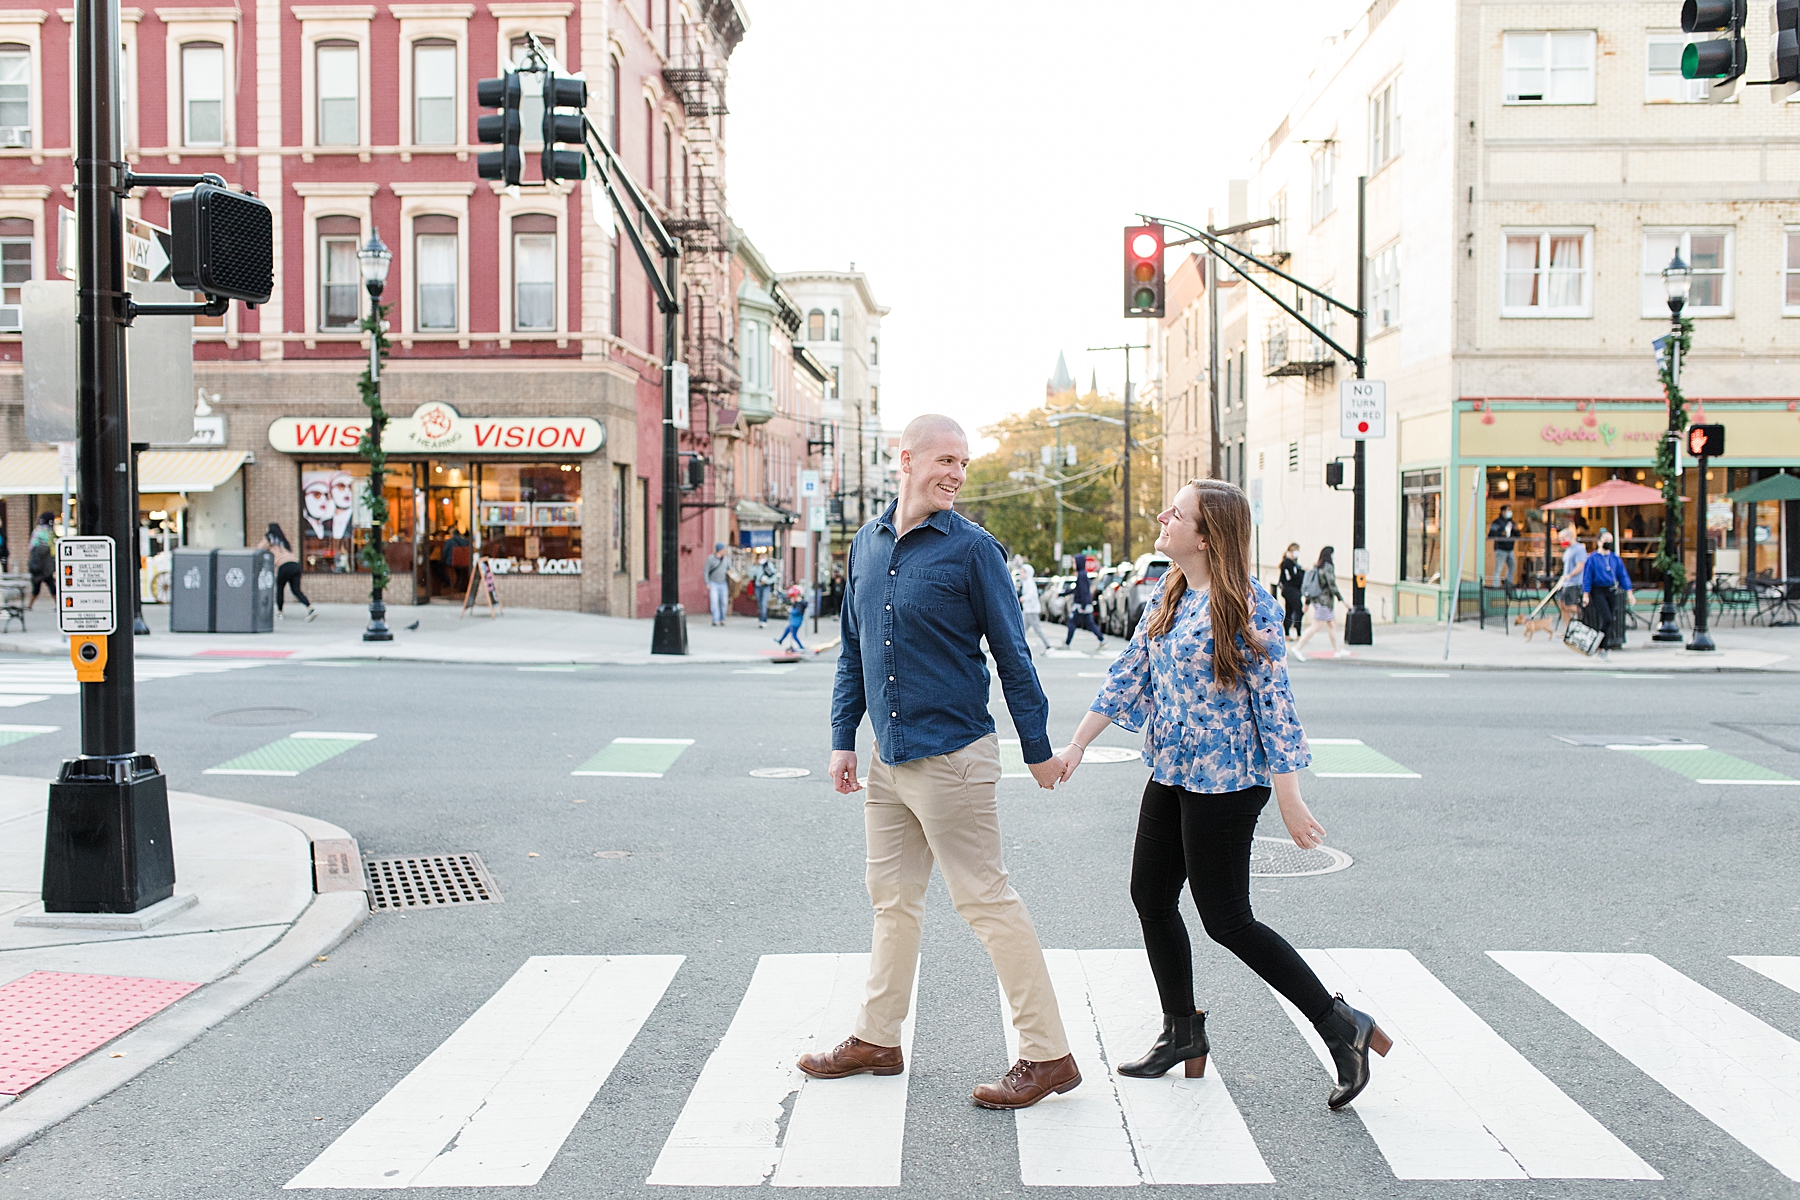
[[1613, 494], [1775, 487]]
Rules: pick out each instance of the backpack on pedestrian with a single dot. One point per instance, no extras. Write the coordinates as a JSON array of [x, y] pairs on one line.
[[1309, 585]]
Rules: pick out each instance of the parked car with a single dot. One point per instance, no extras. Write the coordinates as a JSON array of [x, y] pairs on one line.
[[1055, 597], [1131, 592], [1106, 585]]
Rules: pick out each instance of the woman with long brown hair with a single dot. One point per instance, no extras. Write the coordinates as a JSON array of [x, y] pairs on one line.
[[1206, 674]]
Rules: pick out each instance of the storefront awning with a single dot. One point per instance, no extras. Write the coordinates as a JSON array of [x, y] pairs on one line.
[[754, 512], [35, 472]]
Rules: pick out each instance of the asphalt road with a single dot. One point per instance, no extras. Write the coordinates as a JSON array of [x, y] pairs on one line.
[[1508, 841]]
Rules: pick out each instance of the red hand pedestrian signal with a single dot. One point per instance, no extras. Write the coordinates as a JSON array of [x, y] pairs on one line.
[[1706, 441]]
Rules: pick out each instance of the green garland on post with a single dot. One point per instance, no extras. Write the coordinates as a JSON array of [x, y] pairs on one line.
[[1671, 566], [372, 557]]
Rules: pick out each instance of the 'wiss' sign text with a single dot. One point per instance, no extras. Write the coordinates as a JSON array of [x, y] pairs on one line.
[[434, 427]]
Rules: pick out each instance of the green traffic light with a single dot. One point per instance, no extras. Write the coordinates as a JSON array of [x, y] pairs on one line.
[[1143, 298]]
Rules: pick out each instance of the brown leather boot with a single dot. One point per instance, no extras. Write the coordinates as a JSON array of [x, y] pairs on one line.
[[1028, 1082], [853, 1056]]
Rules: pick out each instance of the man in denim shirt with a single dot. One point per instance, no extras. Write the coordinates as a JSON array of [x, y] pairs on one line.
[[925, 586]]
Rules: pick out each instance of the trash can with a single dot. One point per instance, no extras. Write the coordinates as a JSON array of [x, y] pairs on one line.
[[244, 587], [191, 591]]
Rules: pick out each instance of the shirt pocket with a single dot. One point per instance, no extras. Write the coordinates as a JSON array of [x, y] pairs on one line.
[[932, 588]]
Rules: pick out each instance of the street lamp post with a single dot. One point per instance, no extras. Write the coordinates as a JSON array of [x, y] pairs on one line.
[[1677, 279], [374, 259]]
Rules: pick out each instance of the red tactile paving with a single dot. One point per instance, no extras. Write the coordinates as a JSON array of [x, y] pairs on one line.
[[49, 1019]]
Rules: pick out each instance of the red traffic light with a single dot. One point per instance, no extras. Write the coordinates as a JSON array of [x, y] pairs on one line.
[[1706, 441], [1144, 270]]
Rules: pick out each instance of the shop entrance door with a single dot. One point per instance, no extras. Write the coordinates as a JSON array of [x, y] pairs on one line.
[[449, 546]]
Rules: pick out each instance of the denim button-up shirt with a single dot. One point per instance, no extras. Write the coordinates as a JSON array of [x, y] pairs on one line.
[[915, 611], [1197, 736]]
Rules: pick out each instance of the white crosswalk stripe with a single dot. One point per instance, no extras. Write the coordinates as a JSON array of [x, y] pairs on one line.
[[1782, 968], [841, 1133], [493, 1104], [1452, 1100], [1736, 1071], [28, 682]]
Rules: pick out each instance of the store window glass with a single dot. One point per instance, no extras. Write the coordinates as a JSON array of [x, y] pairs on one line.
[[335, 521], [1422, 500], [530, 517]]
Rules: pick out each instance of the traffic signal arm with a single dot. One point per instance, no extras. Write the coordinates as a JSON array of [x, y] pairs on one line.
[[613, 176]]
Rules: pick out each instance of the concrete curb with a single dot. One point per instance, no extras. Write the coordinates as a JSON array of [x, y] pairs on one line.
[[1610, 668], [439, 660], [326, 921]]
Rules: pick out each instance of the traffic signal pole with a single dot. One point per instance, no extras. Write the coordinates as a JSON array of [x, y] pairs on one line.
[[1359, 627], [1125, 504]]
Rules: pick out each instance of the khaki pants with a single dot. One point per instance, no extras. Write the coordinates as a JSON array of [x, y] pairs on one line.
[[943, 808]]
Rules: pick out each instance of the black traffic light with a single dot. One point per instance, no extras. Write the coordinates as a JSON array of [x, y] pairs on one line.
[[222, 243], [1706, 441], [507, 163], [561, 91], [1784, 49], [1334, 474], [1721, 60], [1143, 270]]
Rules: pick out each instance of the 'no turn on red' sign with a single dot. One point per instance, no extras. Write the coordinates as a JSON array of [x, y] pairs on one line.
[[1362, 409]]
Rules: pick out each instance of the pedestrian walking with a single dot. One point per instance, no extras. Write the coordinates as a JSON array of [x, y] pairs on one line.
[[718, 582], [1292, 575], [925, 586], [835, 603], [287, 570], [1081, 605], [1575, 557], [40, 559], [796, 597], [767, 577], [1503, 531], [1605, 594], [1223, 732], [1031, 609], [1319, 588]]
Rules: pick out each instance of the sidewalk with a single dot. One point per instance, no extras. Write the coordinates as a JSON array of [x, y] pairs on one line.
[[1747, 648], [518, 636], [86, 1010]]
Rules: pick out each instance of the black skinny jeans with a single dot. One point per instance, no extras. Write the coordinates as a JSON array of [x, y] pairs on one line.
[[1290, 619], [287, 578], [1204, 840]]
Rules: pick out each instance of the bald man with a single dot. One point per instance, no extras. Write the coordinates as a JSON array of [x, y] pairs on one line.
[[925, 586]]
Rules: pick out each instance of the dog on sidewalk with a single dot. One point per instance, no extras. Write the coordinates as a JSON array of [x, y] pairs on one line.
[[1536, 625]]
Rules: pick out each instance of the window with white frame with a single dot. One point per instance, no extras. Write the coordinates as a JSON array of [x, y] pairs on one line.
[[1324, 175], [1549, 66], [434, 92], [834, 325], [1384, 288], [1384, 125], [1278, 231], [815, 326], [534, 272], [531, 100], [339, 85], [15, 96], [340, 275], [435, 271], [1707, 253], [16, 242], [1663, 83], [1547, 273], [203, 94], [1790, 274]]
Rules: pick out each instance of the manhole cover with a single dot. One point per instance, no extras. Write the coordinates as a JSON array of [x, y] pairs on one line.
[[260, 716], [429, 881], [1280, 858], [1110, 754], [779, 773]]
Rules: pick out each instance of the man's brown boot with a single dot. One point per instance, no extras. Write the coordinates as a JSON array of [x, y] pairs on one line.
[[1028, 1082], [853, 1056]]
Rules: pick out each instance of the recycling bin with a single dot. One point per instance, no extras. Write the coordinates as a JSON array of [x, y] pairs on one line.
[[244, 591], [191, 591]]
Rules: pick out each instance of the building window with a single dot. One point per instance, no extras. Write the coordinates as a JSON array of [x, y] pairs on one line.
[[874, 401], [874, 351], [534, 272], [649, 147], [339, 82], [340, 276], [668, 167], [434, 93], [618, 316], [531, 98], [15, 270], [1547, 273], [621, 544], [1384, 287], [815, 326], [613, 65], [530, 512], [1550, 67], [649, 529], [1663, 83], [833, 394], [1707, 253], [1278, 231], [1230, 370], [1324, 176], [203, 94], [15, 97], [334, 515], [1422, 500], [1384, 125], [435, 265], [1790, 276], [834, 325], [1293, 458]]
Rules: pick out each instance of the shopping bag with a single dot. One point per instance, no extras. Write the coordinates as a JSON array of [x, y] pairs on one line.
[[1583, 639]]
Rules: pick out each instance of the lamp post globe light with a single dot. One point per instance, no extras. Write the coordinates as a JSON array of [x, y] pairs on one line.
[[374, 258], [1677, 280]]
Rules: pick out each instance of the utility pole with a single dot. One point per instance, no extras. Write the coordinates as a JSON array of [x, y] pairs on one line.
[[1359, 627], [1125, 540]]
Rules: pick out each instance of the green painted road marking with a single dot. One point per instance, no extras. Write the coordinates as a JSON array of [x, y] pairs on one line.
[[1418, 674], [1348, 758], [18, 733], [1012, 760], [291, 755], [636, 758], [1708, 766], [560, 667]]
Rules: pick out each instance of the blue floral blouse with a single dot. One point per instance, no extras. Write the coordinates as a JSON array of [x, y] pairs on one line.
[[1196, 736]]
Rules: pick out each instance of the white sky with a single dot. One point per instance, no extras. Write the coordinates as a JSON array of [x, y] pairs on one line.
[[978, 161]]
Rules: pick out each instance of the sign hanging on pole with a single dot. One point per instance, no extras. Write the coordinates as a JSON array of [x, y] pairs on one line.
[[84, 585], [678, 393], [1362, 409], [1256, 502]]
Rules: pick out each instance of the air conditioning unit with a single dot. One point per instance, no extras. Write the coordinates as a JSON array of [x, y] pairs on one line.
[[15, 137], [12, 318]]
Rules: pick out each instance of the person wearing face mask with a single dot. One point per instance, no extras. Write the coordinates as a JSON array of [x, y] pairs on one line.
[[1605, 594], [1206, 678], [1503, 531]]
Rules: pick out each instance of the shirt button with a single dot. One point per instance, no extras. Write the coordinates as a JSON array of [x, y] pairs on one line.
[[890, 679], [893, 714], [890, 572], [888, 643], [890, 608]]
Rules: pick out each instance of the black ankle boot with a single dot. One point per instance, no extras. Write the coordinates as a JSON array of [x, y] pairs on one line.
[[1183, 1040], [1350, 1035]]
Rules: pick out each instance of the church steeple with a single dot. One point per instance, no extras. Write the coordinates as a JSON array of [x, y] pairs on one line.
[[1061, 381]]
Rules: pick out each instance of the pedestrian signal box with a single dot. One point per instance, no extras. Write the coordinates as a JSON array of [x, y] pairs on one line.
[[1706, 441]]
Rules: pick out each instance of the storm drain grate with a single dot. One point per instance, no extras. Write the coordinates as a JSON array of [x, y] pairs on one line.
[[1279, 858], [429, 881]]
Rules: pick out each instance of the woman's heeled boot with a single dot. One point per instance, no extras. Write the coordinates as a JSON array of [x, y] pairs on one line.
[[1183, 1039], [1350, 1035]]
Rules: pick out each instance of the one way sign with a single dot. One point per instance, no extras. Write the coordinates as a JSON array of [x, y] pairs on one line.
[[1362, 409]]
